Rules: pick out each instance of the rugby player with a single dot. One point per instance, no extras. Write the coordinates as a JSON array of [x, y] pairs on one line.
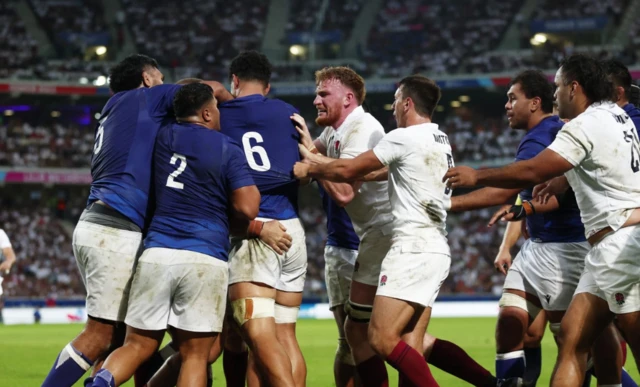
[[598, 151], [6, 252], [202, 184], [349, 132], [415, 154]]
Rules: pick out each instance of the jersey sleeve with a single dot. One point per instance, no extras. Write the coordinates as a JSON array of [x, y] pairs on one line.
[[237, 172], [160, 99], [572, 143], [529, 149], [4, 240], [391, 147], [359, 142]]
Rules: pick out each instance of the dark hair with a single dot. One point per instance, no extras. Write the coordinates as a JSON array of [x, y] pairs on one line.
[[348, 77], [424, 93], [590, 75], [127, 75], [534, 84], [191, 98], [619, 75], [251, 66]]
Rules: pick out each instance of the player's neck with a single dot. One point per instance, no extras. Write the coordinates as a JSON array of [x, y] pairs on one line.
[[622, 103], [536, 119], [344, 115], [250, 89], [194, 120], [413, 118]]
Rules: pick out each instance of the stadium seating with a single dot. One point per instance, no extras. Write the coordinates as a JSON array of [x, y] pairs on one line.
[[18, 50]]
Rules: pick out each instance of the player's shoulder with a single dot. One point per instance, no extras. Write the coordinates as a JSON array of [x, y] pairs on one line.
[[280, 104]]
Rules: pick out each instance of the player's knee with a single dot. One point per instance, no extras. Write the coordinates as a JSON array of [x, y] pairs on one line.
[[251, 308], [343, 353], [516, 301], [532, 339], [286, 314], [381, 340]]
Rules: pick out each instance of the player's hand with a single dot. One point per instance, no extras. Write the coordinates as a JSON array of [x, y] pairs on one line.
[[301, 127], [461, 177], [556, 186], [5, 267], [502, 262], [301, 170], [274, 235], [502, 213]]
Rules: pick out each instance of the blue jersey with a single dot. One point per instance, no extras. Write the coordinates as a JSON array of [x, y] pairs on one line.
[[123, 151], [195, 172], [563, 224], [262, 127], [634, 114], [340, 231]]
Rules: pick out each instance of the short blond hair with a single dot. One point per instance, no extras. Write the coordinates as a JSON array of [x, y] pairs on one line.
[[347, 77]]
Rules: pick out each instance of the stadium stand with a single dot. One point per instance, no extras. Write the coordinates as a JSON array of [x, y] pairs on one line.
[[18, 50]]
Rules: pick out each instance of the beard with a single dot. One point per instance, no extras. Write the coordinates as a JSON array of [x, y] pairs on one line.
[[326, 120]]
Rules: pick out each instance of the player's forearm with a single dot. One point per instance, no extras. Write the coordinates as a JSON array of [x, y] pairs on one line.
[[482, 198], [341, 193], [516, 175], [540, 207], [379, 175], [9, 255], [512, 233], [340, 171], [320, 147], [318, 158]]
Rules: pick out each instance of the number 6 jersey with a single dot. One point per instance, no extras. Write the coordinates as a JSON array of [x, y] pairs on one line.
[[263, 129], [602, 144]]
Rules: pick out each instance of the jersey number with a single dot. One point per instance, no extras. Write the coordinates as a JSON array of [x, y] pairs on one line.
[[251, 151], [447, 190], [99, 136], [183, 164]]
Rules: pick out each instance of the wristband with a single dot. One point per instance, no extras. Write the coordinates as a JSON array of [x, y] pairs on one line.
[[528, 207], [518, 212], [255, 227], [314, 150]]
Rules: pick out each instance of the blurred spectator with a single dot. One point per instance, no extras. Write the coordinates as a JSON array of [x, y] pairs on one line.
[[17, 48]]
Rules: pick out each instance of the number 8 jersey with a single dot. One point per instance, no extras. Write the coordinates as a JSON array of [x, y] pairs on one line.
[[602, 144], [263, 129]]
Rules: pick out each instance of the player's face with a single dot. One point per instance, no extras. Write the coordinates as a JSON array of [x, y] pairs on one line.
[[398, 108], [152, 77], [563, 96], [518, 107], [330, 102]]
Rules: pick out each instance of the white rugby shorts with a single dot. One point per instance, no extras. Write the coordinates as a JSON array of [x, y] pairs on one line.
[[338, 270], [612, 270], [374, 246], [550, 271], [178, 288], [251, 260], [106, 257], [411, 273]]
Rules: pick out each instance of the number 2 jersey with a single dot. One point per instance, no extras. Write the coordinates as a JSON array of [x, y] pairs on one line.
[[602, 145], [195, 171], [123, 151], [263, 128]]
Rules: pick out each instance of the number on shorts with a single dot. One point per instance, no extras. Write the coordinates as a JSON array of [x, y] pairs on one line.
[[447, 190], [251, 151], [183, 164], [99, 136]]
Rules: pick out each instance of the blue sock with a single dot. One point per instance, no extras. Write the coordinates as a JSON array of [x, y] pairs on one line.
[[104, 379], [626, 379], [533, 357], [510, 365], [68, 368]]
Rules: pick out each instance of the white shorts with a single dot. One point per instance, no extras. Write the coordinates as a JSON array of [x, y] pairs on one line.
[[374, 246], [251, 260], [550, 271], [614, 265], [180, 288], [106, 257], [411, 274], [338, 270]]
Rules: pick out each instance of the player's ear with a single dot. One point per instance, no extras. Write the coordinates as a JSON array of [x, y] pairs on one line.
[[267, 89], [146, 79], [235, 81], [534, 104]]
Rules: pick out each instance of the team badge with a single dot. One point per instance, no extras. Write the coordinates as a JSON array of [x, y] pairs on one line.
[[383, 280], [337, 145], [619, 298]]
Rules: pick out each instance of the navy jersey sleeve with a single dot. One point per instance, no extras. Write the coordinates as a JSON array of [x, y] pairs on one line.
[[237, 173], [160, 99], [529, 149]]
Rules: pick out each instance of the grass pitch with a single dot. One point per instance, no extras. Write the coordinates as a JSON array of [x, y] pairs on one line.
[[28, 351]]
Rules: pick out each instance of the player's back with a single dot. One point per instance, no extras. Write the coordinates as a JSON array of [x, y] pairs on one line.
[[195, 171], [340, 232], [603, 144], [123, 150], [263, 128], [418, 156]]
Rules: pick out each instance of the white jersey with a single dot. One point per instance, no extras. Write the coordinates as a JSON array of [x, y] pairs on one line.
[[602, 144], [359, 133], [418, 157], [4, 240]]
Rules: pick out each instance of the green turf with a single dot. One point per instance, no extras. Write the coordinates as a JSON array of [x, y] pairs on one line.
[[27, 352]]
